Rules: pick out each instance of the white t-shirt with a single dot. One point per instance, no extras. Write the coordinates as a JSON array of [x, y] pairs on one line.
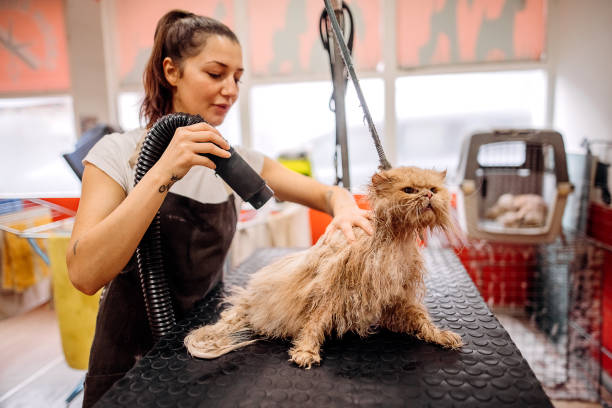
[[112, 153]]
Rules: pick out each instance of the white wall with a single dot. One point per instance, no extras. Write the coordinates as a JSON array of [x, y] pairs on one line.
[[581, 57], [90, 72]]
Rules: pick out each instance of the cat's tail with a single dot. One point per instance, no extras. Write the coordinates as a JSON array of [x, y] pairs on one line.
[[231, 332]]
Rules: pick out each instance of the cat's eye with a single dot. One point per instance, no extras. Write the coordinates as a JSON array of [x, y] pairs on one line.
[[409, 190], [433, 190]]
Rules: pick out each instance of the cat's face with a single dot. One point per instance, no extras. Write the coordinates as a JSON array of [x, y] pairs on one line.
[[410, 197]]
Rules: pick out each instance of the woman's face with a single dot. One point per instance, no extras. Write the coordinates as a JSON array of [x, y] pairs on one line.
[[208, 85]]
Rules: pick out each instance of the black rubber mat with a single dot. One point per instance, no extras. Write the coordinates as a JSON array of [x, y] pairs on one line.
[[383, 370]]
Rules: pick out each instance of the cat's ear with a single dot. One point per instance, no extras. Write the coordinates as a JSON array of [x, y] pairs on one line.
[[381, 183], [378, 179], [443, 174]]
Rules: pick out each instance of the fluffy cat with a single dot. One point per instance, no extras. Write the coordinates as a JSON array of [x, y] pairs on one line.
[[335, 287], [521, 210]]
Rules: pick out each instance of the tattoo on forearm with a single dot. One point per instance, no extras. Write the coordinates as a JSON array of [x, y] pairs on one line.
[[165, 187], [74, 247]]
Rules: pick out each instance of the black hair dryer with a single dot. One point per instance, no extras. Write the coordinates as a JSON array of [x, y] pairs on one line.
[[241, 177], [234, 170]]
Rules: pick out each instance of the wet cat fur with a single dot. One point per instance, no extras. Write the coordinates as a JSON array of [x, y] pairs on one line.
[[335, 287]]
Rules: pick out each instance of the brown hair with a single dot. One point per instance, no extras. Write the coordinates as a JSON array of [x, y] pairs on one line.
[[179, 34]]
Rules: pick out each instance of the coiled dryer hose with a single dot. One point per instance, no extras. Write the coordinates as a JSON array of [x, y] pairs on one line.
[[234, 171]]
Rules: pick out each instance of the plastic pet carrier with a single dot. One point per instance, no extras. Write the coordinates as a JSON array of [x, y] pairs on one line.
[[514, 185]]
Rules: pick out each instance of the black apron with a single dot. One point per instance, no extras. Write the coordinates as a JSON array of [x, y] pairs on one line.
[[195, 239]]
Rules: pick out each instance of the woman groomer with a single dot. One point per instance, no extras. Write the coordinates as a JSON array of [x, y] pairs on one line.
[[195, 67]]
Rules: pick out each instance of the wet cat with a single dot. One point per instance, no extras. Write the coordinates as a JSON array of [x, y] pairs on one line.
[[335, 287]]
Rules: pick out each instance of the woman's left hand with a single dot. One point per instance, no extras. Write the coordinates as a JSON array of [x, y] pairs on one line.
[[291, 186], [348, 217]]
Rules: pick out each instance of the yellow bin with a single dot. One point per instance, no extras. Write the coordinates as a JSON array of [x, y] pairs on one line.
[[76, 312]]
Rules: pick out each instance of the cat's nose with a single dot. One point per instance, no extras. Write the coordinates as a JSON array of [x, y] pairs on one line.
[[429, 194]]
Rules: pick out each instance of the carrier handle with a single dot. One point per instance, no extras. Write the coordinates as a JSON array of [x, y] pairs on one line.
[[550, 137]]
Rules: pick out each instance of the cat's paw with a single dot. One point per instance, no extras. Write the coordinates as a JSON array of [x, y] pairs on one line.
[[304, 358], [448, 339]]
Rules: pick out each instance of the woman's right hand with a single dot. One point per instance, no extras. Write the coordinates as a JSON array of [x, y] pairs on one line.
[[185, 149]]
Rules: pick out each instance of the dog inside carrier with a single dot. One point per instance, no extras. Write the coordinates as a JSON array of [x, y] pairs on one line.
[[514, 185]]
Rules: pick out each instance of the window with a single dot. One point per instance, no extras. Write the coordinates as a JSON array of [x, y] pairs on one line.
[[35, 134], [285, 40], [132, 56], [459, 32], [435, 113], [129, 108], [296, 117]]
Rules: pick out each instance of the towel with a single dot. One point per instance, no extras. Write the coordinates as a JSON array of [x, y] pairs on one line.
[[22, 267]]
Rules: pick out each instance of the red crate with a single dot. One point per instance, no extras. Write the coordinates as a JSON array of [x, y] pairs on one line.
[[600, 223], [606, 332], [600, 227], [502, 272]]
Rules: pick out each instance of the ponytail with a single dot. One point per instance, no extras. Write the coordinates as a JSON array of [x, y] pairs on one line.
[[179, 34]]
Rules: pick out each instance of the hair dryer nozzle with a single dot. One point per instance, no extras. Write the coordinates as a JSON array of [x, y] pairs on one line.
[[241, 177]]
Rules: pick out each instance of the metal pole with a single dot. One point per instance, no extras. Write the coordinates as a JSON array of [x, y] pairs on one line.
[[339, 105], [384, 163]]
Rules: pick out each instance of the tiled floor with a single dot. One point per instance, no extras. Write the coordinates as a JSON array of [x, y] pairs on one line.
[[35, 374], [547, 361]]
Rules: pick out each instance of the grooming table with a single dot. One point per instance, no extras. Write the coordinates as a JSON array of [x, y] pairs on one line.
[[385, 369]]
